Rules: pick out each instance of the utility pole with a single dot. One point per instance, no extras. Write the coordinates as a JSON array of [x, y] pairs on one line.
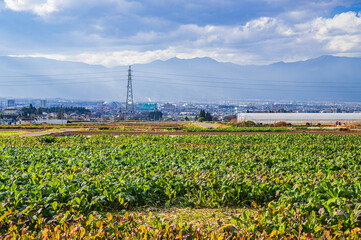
[[61, 114], [129, 104], [102, 113]]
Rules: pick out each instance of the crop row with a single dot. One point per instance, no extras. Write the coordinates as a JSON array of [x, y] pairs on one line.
[[305, 185], [239, 129]]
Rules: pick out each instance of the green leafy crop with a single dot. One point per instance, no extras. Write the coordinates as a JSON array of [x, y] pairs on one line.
[[300, 185]]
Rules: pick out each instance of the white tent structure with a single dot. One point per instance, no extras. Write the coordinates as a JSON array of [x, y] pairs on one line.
[[299, 118]]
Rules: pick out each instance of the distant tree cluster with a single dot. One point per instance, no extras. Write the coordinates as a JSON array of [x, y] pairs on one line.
[[31, 111], [156, 115], [27, 112], [67, 110], [204, 116]]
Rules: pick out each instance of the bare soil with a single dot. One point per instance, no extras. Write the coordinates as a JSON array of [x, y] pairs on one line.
[[322, 132]]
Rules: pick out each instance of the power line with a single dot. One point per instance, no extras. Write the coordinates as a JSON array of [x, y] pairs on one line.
[[167, 74], [230, 78], [55, 83], [271, 83], [244, 86], [240, 88], [54, 79], [103, 79], [53, 75]]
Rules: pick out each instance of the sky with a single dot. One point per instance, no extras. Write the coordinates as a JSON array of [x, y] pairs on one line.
[[124, 32]]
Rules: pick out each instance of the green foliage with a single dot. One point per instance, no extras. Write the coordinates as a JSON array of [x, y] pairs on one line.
[[204, 116], [156, 115], [201, 119], [302, 186], [28, 111], [239, 129], [67, 110], [208, 117]]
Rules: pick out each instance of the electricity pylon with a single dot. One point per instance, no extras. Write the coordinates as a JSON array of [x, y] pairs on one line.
[[129, 105]]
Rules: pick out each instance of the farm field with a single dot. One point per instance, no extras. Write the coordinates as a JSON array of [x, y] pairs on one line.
[[267, 186], [168, 128]]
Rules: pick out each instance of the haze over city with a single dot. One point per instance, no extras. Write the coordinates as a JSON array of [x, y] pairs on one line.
[[181, 51]]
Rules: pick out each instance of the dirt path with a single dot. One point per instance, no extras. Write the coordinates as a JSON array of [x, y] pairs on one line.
[[206, 125], [70, 130]]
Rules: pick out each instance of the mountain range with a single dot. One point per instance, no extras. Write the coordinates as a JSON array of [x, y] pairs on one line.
[[327, 78]]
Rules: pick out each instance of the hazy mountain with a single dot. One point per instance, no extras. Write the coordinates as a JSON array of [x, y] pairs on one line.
[[199, 79]]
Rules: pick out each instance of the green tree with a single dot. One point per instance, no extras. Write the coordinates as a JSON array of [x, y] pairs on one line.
[[202, 114], [39, 111], [27, 112], [208, 117], [156, 115], [60, 114]]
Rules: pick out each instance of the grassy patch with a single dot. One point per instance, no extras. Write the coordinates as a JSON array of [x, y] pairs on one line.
[[12, 133]]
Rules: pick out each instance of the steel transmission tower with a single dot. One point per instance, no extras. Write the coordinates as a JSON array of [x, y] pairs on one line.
[[129, 105]]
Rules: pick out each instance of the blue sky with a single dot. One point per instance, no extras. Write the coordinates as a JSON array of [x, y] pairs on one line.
[[121, 32]]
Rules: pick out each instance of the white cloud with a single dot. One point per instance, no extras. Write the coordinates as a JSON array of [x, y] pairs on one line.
[[274, 39], [46, 7], [260, 41], [126, 57], [39, 7], [339, 34]]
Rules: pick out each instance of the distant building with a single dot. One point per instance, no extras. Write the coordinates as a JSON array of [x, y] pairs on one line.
[[43, 103], [299, 118], [11, 112], [11, 103], [169, 107], [147, 107], [25, 121], [51, 121]]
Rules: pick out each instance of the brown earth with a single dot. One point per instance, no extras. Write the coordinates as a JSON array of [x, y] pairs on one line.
[[322, 132]]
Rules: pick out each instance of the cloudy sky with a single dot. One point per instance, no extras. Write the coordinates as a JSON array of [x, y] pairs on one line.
[[122, 32]]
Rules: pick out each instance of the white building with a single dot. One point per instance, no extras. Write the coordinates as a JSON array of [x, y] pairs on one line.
[[11, 112], [51, 121], [299, 118]]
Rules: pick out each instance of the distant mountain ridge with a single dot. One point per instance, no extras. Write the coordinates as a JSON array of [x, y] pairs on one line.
[[326, 78]]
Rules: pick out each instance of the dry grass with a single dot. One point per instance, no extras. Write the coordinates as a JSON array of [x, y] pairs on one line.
[[281, 124], [204, 216], [352, 125]]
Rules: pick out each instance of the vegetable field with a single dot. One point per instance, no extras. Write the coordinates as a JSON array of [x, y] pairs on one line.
[[298, 186], [239, 129]]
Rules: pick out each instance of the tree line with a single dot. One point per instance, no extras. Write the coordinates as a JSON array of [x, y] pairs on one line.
[[31, 110], [204, 116]]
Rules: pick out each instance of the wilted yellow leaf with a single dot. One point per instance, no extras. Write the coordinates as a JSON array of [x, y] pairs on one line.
[[274, 233], [82, 232], [100, 224]]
